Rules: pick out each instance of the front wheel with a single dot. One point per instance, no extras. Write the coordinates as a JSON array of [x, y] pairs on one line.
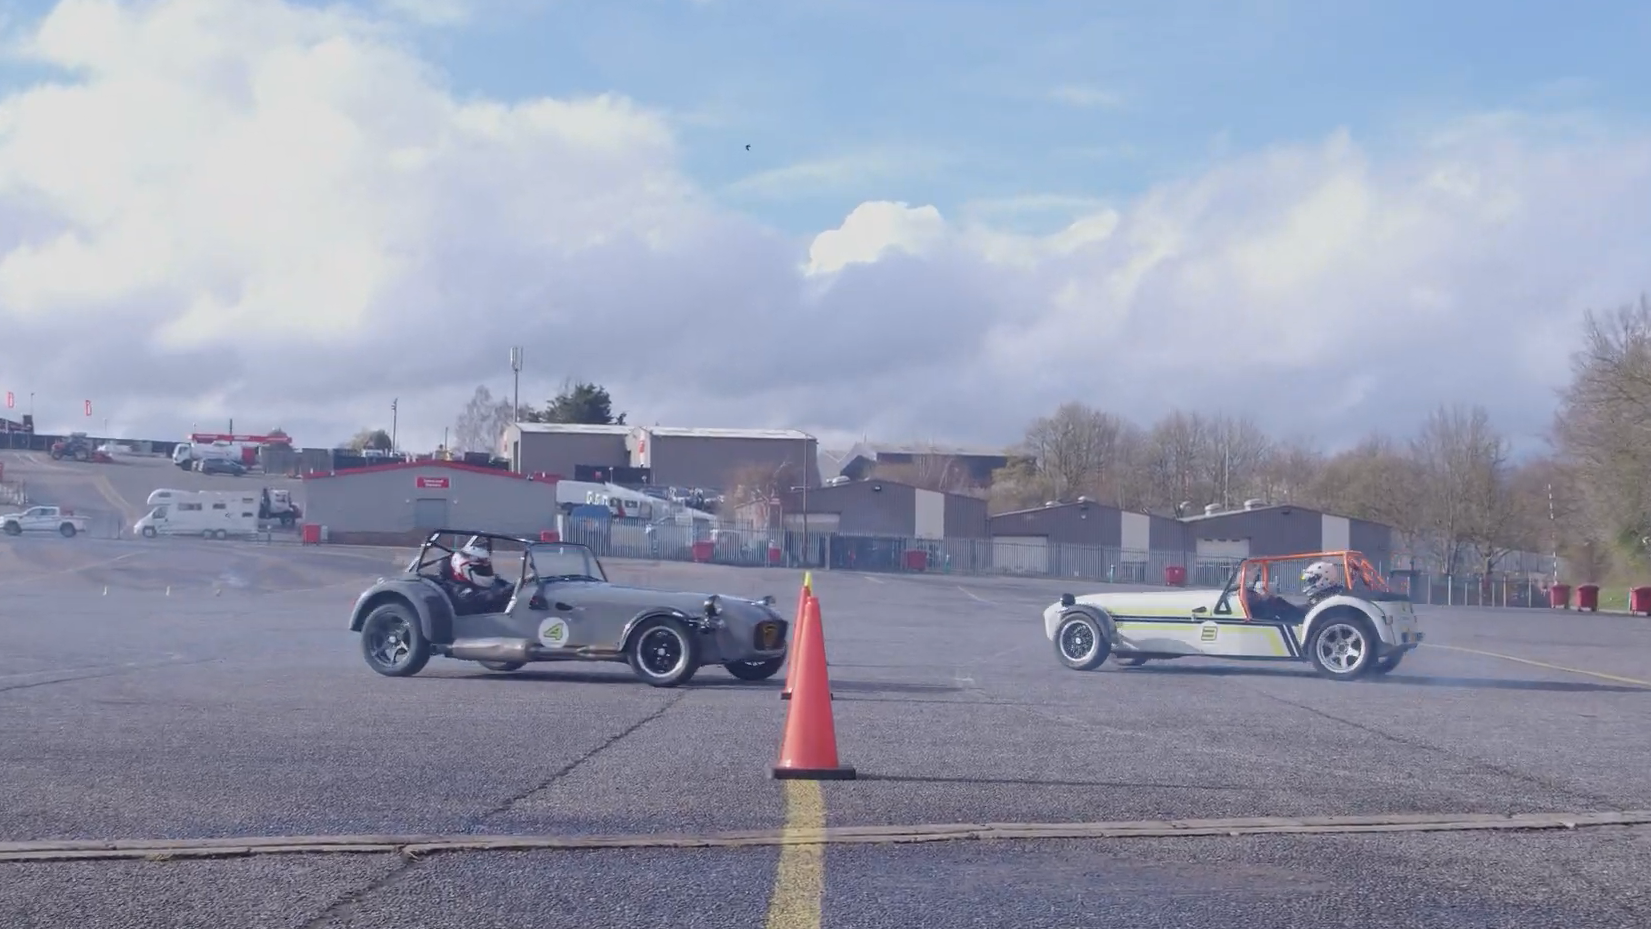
[[755, 670], [68, 530], [1080, 643], [392, 642], [1385, 665], [1343, 647], [663, 652]]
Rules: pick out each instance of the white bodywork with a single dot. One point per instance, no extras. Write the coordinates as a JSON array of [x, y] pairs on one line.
[[41, 519], [204, 513], [1164, 623]]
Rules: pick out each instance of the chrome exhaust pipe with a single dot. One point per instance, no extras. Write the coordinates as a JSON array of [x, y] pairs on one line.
[[492, 649]]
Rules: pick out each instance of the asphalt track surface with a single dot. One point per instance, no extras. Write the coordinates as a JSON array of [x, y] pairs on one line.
[[213, 691]]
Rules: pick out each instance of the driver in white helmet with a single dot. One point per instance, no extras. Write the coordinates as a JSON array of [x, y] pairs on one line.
[[1321, 579], [476, 586]]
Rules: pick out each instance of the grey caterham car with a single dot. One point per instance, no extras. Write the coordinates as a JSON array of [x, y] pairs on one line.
[[559, 606]]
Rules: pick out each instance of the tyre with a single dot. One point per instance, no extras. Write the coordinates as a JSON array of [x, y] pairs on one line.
[[755, 670], [68, 530], [149, 532], [14, 528], [392, 642], [1343, 646], [663, 653], [1080, 642], [1384, 665], [503, 665]]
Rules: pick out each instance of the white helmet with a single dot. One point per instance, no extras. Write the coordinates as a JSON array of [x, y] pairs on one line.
[[1319, 577], [473, 565]]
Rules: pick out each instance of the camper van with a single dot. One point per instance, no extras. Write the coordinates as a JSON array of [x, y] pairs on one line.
[[211, 514]]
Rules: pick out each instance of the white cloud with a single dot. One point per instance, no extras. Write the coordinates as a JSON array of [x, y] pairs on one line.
[[276, 213]]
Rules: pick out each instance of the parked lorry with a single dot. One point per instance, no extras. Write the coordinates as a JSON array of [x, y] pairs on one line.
[[211, 514], [43, 519]]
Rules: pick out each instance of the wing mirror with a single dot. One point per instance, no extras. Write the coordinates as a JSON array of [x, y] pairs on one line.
[[768, 600], [537, 602], [1200, 609], [1068, 599], [713, 605]]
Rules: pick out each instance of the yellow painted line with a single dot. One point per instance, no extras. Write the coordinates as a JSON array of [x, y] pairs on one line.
[[799, 881], [1543, 664]]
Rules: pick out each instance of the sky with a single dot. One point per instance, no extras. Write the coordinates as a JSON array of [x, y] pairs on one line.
[[903, 220]]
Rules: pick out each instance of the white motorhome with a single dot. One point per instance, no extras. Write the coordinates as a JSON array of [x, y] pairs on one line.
[[212, 514]]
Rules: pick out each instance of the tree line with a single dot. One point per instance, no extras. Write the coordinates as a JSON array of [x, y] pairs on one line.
[[1451, 489], [485, 417]]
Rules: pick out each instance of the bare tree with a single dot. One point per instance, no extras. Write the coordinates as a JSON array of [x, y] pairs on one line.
[[931, 468], [1463, 464], [1077, 449], [1603, 430], [482, 422], [1175, 462]]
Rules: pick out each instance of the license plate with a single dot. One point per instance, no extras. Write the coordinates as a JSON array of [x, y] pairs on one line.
[[768, 635]]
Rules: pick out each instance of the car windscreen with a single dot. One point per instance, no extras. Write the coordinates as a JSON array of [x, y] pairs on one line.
[[549, 560]]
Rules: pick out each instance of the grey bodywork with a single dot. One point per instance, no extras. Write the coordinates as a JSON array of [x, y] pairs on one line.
[[598, 617]]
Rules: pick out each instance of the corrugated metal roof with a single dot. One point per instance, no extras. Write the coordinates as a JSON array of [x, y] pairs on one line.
[[573, 428], [678, 432], [409, 465]]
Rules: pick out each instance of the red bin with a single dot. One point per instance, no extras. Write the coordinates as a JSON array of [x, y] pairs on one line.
[[1587, 597], [917, 559], [773, 554], [549, 535], [1559, 596], [312, 533], [1639, 600], [703, 551], [1175, 575]]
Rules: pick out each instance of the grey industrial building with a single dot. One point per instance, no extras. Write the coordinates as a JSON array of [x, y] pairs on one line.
[[885, 508], [1092, 538], [557, 448], [1257, 529], [709, 458], [398, 504]]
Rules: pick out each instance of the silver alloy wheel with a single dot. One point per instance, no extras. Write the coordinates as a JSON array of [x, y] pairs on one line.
[[1341, 647], [1078, 641]]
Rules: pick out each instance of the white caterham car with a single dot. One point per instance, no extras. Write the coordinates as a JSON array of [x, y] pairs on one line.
[[1341, 618]]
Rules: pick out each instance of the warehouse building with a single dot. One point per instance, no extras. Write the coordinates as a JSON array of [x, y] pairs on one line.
[[399, 504], [878, 525], [1257, 529], [564, 448], [713, 459], [951, 465], [1087, 539]]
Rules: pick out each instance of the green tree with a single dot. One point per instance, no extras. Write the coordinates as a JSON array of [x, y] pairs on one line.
[[370, 439], [580, 403]]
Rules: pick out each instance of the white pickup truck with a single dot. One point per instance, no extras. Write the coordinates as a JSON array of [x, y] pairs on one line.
[[43, 519]]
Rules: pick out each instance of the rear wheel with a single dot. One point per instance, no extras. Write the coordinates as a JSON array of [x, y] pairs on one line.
[[68, 530], [392, 642], [1343, 647]]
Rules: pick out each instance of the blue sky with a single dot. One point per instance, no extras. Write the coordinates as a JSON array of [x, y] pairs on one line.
[[960, 101], [1477, 249], [1016, 107]]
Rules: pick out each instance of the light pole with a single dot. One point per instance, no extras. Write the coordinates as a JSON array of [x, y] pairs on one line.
[[393, 421], [516, 377]]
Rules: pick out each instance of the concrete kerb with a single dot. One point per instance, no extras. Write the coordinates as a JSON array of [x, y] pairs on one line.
[[421, 845]]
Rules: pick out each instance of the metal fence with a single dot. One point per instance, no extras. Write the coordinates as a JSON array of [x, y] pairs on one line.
[[627, 538], [14, 493]]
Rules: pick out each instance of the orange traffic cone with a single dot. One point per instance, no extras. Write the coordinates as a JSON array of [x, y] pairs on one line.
[[809, 748], [797, 633]]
